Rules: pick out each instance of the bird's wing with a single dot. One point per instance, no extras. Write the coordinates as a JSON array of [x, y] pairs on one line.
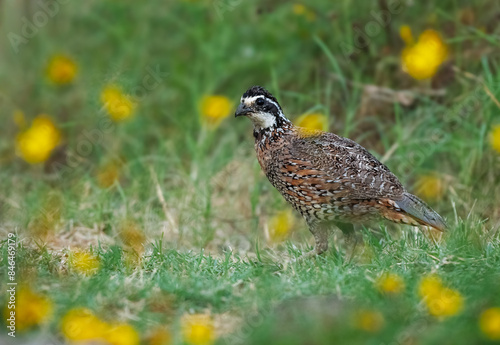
[[346, 168]]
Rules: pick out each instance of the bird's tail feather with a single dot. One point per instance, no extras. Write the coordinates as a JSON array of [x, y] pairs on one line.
[[419, 210]]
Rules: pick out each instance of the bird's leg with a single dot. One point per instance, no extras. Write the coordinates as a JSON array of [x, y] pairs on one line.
[[348, 231], [320, 233], [350, 238]]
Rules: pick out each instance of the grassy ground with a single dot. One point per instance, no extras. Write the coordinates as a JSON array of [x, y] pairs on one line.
[[177, 214]]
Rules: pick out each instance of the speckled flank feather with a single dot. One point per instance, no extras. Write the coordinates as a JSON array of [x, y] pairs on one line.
[[328, 179]]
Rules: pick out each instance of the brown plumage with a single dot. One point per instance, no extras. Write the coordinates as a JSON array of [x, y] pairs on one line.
[[327, 178]]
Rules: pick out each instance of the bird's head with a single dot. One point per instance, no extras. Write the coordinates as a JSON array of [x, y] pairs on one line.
[[261, 108]]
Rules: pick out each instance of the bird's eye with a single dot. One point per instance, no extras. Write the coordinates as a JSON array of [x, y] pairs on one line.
[[260, 101]]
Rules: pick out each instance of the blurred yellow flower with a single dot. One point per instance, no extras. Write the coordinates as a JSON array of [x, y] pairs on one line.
[[302, 10], [369, 321], [121, 334], [280, 226], [495, 138], [31, 309], [448, 303], [160, 336], [214, 109], [390, 283], [118, 104], [19, 119], [313, 121], [430, 187], [406, 35], [132, 236], [430, 286], [81, 324], [198, 329], [489, 323], [440, 301], [422, 59], [44, 223], [108, 174], [36, 143], [61, 69], [84, 262]]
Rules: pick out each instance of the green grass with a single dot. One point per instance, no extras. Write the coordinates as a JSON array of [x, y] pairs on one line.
[[205, 248]]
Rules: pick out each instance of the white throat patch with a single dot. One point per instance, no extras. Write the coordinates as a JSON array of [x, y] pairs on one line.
[[262, 120]]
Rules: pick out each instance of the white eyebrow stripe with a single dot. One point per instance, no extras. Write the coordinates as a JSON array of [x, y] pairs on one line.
[[249, 100]]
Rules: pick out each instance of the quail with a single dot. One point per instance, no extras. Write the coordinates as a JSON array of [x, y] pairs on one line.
[[328, 179]]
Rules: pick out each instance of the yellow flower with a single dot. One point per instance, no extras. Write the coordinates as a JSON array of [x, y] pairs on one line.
[[36, 143], [369, 321], [214, 109], [160, 336], [406, 35], [422, 59], [448, 303], [313, 121], [118, 104], [132, 236], [61, 69], [121, 334], [31, 309], [430, 286], [84, 262], [280, 226], [198, 329], [390, 283], [489, 322], [108, 174], [302, 10], [440, 301], [495, 138], [81, 324], [45, 222], [430, 187], [19, 119]]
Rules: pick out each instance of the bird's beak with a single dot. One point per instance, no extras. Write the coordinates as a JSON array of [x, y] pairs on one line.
[[242, 110]]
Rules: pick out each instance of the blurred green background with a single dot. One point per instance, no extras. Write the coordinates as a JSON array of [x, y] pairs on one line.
[[118, 143]]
